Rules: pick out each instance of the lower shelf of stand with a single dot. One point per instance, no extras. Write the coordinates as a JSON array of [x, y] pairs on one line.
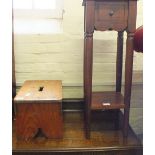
[[107, 100]]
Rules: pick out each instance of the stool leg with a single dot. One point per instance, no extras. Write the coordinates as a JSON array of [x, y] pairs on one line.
[[26, 123], [51, 120], [128, 81]]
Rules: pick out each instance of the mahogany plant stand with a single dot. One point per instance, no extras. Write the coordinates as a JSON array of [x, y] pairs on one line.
[[39, 106], [102, 15]]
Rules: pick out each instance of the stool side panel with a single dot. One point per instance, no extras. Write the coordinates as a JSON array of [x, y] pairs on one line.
[[52, 114], [31, 117]]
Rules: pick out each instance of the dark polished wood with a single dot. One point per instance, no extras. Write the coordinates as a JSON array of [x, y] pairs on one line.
[[119, 61], [111, 15], [38, 106], [102, 15], [129, 63], [116, 152], [119, 64], [104, 139], [88, 58], [128, 81], [107, 100]]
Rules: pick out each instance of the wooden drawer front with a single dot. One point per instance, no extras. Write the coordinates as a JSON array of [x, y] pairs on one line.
[[111, 15]]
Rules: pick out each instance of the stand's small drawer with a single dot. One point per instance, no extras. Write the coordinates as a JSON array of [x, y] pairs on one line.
[[111, 15]]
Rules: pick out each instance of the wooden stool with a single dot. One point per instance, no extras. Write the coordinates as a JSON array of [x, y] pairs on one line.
[[39, 106]]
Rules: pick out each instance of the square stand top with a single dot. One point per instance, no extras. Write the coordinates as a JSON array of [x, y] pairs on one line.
[[39, 90]]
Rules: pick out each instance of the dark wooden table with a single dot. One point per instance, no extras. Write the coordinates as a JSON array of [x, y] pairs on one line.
[[108, 15], [104, 140]]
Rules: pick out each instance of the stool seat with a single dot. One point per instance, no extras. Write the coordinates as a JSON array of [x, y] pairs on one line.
[[38, 105], [39, 90]]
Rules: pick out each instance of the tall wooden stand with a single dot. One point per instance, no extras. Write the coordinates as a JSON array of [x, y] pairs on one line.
[[102, 15]]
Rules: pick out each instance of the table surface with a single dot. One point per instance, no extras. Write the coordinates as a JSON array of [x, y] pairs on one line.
[[39, 90], [103, 136]]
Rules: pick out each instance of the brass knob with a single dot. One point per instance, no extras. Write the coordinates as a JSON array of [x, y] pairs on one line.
[[111, 13]]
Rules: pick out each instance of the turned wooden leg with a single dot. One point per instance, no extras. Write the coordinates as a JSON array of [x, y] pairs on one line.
[[88, 64], [128, 81], [88, 60], [119, 62]]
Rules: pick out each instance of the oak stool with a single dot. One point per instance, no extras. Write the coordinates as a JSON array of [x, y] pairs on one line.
[[38, 105]]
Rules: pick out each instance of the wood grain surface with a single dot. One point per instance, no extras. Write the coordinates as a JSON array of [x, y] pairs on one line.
[[40, 90], [31, 117], [39, 107], [111, 15], [103, 138], [107, 100]]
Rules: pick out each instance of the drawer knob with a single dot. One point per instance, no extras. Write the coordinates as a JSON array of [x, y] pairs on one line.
[[111, 13]]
